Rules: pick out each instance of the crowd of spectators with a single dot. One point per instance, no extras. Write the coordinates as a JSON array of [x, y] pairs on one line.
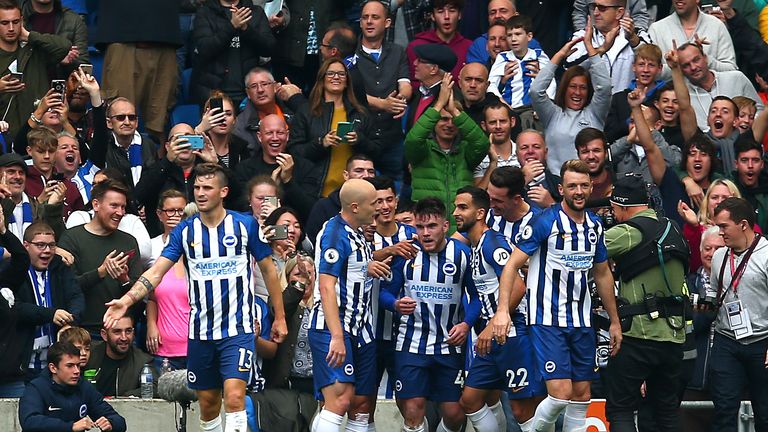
[[108, 107]]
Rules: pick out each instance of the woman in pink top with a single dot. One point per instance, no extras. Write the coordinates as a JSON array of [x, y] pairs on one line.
[[168, 305]]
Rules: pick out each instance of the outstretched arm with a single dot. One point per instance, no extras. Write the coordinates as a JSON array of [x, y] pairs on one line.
[[147, 282]]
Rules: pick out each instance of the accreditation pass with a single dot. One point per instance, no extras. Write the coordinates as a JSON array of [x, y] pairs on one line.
[[738, 319]]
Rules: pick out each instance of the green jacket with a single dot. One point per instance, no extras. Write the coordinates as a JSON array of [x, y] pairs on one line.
[[33, 59], [621, 239], [68, 24], [435, 172]]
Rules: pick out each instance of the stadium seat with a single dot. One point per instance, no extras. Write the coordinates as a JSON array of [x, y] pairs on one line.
[[189, 114]]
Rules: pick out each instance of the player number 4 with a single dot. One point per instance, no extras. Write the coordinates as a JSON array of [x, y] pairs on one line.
[[460, 378], [517, 378]]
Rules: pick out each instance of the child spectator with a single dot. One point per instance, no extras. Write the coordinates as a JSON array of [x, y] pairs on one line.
[[513, 71], [81, 339]]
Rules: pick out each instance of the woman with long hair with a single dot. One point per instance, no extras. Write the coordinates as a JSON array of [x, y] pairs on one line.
[[218, 124], [332, 126], [582, 100]]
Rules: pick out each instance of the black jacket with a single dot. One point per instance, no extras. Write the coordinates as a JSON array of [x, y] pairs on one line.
[[65, 294], [292, 40], [278, 368], [130, 21], [307, 132], [105, 153], [213, 33], [323, 210], [47, 406], [299, 193], [12, 367], [129, 372], [751, 50], [248, 120]]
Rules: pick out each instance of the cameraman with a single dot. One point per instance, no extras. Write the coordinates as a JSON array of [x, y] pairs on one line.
[[652, 293]]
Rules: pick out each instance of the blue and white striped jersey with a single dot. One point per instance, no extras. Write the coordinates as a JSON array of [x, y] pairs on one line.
[[217, 260], [516, 92], [343, 252], [383, 319], [511, 230], [562, 254], [437, 282], [488, 259]]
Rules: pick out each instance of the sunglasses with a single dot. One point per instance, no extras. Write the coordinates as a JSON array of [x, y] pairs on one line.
[[602, 8], [122, 117]]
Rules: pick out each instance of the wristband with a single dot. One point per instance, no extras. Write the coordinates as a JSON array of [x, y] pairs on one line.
[[147, 284], [35, 119]]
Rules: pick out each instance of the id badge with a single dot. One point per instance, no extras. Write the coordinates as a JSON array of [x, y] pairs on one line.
[[738, 319]]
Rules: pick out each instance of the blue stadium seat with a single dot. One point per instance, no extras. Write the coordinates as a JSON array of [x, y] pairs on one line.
[[189, 114], [186, 78]]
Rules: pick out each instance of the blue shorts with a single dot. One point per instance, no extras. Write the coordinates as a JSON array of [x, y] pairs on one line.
[[438, 378], [509, 367], [211, 362], [565, 352], [359, 367]]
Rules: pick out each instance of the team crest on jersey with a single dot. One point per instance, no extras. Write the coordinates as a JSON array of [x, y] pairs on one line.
[[550, 366], [191, 377], [592, 236], [449, 269], [331, 255], [83, 410], [527, 232], [229, 240], [349, 369], [500, 256]]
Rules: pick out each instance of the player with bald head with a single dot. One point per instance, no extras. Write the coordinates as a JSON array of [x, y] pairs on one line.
[[340, 333]]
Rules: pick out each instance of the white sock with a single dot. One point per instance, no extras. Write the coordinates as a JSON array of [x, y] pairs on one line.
[[356, 426], [236, 421], [371, 427], [527, 426], [443, 428], [420, 428], [483, 420], [547, 413], [326, 421], [575, 416], [501, 419], [211, 425]]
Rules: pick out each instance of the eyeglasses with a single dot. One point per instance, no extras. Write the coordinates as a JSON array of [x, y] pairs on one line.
[[172, 212], [122, 117], [258, 85], [334, 74], [43, 245], [602, 8]]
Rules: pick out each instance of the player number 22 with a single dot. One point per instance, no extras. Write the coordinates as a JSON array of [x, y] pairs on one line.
[[246, 358], [517, 378]]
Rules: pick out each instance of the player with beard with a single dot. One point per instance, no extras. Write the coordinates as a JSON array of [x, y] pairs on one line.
[[564, 243], [508, 367], [429, 292]]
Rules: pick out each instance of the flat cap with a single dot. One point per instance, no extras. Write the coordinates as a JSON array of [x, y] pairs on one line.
[[11, 159], [437, 54]]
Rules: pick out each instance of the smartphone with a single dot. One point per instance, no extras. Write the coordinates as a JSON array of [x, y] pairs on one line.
[[216, 103], [131, 253], [59, 177], [280, 232], [344, 128], [59, 86], [18, 75], [271, 200], [87, 68], [196, 142]]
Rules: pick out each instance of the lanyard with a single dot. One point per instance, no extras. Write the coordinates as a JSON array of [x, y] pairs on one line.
[[736, 273]]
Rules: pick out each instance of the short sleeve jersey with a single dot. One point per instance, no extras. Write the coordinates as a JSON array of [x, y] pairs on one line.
[[342, 252], [562, 254], [221, 295]]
